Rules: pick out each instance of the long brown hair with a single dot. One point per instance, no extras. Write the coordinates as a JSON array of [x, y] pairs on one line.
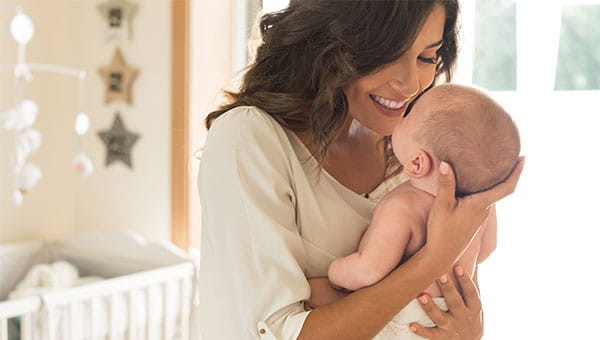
[[313, 48]]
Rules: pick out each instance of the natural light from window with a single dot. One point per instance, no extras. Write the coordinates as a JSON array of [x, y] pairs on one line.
[[541, 60]]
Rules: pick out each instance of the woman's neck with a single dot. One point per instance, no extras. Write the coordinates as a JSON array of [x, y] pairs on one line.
[[351, 134], [354, 158]]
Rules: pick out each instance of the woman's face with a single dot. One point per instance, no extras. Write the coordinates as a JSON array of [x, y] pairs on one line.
[[379, 100]]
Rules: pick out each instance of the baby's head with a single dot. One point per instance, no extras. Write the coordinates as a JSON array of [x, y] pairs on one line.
[[464, 127]]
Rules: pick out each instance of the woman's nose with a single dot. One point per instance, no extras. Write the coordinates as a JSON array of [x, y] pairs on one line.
[[405, 80]]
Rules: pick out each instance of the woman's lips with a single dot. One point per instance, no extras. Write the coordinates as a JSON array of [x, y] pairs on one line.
[[391, 108]]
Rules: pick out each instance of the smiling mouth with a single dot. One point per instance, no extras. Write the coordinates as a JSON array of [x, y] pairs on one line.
[[388, 103]]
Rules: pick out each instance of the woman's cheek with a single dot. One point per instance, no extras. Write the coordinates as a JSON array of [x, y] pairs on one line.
[[427, 78]]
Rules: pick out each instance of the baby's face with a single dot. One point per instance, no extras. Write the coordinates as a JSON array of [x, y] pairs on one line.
[[403, 141]]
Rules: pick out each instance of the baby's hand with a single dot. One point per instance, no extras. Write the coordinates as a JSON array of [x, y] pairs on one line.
[[322, 293]]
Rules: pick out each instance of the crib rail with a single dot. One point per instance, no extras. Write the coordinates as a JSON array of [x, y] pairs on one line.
[[181, 275], [117, 285], [11, 309]]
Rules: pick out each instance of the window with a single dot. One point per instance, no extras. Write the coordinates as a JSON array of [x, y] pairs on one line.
[[495, 60], [532, 287], [579, 49]]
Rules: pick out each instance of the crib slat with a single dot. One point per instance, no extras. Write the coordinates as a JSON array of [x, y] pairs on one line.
[[26, 327], [92, 325], [149, 329], [3, 329], [50, 325], [112, 324], [184, 309], [64, 323], [165, 314], [73, 334], [132, 316]]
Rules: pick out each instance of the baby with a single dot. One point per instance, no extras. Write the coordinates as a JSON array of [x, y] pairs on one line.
[[463, 127]]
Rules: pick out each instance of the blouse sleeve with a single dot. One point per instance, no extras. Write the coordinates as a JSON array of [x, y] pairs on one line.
[[252, 282]]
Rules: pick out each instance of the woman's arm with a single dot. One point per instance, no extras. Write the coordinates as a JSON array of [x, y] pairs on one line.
[[362, 314], [322, 293], [452, 225]]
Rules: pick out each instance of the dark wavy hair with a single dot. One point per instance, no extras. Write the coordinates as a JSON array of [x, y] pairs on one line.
[[313, 48]]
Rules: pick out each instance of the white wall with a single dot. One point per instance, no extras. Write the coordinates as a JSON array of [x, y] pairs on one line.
[[71, 33]]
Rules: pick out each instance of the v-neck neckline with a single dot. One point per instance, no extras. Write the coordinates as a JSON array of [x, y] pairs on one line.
[[374, 195]]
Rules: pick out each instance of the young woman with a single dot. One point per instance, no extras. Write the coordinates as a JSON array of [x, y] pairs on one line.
[[294, 164]]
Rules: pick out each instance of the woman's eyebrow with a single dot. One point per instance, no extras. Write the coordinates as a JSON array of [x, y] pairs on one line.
[[436, 44]]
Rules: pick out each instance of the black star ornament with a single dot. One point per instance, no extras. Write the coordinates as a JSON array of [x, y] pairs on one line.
[[118, 142]]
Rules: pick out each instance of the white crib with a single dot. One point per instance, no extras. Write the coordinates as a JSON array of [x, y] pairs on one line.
[[148, 290]]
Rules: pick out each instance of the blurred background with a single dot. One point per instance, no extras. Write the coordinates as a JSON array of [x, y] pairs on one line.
[[539, 58]]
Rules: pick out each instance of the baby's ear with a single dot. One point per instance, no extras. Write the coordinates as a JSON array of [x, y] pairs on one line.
[[420, 164]]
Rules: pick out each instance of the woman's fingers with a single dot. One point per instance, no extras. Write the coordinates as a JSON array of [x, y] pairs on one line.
[[431, 333], [453, 299], [439, 317], [469, 289], [491, 196], [446, 186], [464, 319]]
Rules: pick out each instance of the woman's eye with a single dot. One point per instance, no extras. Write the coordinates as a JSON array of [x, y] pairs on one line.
[[433, 60]]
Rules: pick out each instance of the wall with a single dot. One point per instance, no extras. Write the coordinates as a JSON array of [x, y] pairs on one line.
[[211, 69], [71, 33]]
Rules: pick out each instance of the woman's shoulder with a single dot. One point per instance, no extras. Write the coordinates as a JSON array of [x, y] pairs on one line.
[[247, 127], [247, 119]]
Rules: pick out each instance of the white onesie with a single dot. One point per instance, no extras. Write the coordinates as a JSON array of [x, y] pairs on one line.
[[397, 329]]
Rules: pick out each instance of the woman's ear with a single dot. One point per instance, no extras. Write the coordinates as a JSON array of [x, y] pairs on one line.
[[420, 164]]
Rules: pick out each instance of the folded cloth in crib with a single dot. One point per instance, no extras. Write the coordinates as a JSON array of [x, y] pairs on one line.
[[43, 278]]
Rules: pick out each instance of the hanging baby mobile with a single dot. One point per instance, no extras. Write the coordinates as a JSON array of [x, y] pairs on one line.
[[23, 115]]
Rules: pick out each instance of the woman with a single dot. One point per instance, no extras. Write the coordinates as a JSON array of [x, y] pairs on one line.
[[294, 164]]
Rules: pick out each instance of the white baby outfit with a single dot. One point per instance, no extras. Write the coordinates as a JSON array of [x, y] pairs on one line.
[[397, 329]]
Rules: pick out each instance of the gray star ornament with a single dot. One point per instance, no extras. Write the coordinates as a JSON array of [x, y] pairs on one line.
[[118, 142]]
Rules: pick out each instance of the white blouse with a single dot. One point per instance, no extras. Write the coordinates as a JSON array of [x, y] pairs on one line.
[[271, 218]]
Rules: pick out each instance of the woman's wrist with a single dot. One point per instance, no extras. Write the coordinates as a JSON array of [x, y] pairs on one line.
[[437, 259]]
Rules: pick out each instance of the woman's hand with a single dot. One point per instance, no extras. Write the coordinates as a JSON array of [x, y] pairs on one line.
[[454, 222], [464, 319]]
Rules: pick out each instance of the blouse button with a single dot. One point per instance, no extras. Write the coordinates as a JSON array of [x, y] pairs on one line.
[[262, 331], [366, 195]]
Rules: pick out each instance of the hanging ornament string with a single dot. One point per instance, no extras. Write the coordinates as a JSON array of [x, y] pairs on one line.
[[23, 115]]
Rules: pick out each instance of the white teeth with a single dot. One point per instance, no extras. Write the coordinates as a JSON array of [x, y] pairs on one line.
[[389, 104]]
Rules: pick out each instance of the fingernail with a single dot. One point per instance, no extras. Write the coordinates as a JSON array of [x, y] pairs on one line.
[[444, 168], [444, 278], [413, 328], [459, 271], [423, 298]]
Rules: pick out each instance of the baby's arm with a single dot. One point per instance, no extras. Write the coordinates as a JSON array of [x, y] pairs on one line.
[[381, 248], [489, 237]]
